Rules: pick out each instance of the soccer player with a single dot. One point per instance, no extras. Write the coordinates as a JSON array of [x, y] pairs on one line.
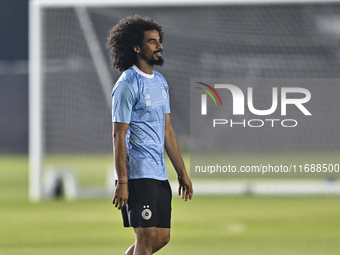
[[141, 131]]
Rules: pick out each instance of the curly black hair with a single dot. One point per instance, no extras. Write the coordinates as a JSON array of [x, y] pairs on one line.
[[127, 34]]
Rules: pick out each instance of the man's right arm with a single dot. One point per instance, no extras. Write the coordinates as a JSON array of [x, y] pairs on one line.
[[121, 193]]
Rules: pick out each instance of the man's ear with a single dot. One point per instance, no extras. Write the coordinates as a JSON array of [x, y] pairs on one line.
[[136, 49]]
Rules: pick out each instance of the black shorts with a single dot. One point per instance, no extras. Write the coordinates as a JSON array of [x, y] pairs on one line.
[[149, 204]]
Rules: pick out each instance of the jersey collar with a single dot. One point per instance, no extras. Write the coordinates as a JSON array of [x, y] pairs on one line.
[[142, 73]]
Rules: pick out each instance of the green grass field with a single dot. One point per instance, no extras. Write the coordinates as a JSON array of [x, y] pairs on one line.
[[246, 225]]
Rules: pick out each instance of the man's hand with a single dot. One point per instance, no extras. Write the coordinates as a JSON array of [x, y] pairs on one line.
[[185, 188], [120, 196]]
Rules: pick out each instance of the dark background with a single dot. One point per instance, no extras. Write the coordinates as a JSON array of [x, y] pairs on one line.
[[288, 41], [13, 76]]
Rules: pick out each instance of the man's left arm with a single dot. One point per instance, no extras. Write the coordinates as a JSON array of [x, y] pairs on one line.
[[171, 146]]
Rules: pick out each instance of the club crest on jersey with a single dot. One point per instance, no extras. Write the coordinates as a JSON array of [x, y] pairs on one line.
[[164, 94], [146, 213]]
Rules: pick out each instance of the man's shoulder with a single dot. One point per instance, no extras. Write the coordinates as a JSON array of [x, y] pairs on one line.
[[126, 80], [160, 76], [129, 76]]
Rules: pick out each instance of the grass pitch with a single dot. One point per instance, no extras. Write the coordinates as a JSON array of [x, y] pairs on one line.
[[246, 225]]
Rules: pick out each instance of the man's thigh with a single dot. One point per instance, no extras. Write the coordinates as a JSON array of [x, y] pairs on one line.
[[159, 236]]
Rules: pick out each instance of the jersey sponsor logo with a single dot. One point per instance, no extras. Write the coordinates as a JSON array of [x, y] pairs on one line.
[[146, 213], [148, 102]]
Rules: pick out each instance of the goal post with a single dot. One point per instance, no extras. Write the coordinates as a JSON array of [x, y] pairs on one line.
[[37, 190], [70, 79], [36, 131]]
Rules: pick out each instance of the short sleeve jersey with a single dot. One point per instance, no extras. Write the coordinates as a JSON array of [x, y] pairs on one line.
[[142, 100]]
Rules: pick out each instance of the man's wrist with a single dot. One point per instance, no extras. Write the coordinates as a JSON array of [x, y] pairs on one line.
[[182, 174], [122, 180]]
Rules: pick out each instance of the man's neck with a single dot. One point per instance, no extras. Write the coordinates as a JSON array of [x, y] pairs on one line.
[[144, 67]]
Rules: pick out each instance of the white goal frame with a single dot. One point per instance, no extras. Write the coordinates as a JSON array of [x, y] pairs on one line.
[[39, 189]]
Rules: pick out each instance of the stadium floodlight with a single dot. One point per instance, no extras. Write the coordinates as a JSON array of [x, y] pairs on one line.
[[70, 79]]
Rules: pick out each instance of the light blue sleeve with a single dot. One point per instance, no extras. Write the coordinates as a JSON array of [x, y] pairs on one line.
[[167, 106], [123, 99]]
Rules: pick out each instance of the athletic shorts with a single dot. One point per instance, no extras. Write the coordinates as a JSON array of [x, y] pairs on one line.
[[149, 204]]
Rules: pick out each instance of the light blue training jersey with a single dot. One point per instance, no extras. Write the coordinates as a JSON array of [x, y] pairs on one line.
[[142, 100]]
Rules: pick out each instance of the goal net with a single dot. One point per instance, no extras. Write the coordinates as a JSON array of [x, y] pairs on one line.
[[70, 79]]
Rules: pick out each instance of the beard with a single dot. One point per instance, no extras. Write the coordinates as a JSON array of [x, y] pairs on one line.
[[157, 62], [152, 61]]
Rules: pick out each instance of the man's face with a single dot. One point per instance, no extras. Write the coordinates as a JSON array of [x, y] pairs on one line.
[[151, 50]]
